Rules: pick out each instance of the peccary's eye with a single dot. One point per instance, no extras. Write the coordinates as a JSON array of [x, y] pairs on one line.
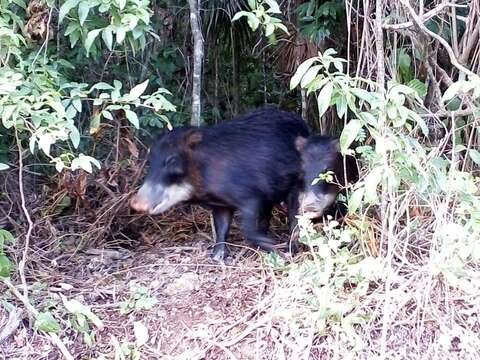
[[171, 161]]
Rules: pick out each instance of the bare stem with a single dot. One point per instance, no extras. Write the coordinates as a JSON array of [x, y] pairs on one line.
[[21, 265]]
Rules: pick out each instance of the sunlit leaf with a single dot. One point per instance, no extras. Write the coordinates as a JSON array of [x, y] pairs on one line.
[[474, 155], [324, 98], [301, 70], [107, 37], [139, 89], [83, 10], [65, 8], [349, 134], [132, 117], [92, 35], [269, 29], [310, 75], [5, 266]]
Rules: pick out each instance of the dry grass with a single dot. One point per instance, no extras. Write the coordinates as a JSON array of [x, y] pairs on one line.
[[206, 311]]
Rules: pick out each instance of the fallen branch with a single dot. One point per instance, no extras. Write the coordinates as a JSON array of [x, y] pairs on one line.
[[12, 324], [53, 337]]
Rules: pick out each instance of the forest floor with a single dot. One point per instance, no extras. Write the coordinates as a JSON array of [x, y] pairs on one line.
[[181, 305], [161, 297]]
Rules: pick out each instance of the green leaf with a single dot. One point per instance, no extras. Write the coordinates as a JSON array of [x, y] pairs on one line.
[[46, 322], [253, 21], [419, 87], [239, 14], [338, 65], [121, 4], [302, 69], [283, 28], [77, 103], [45, 141], [101, 86], [341, 105], [455, 89], [117, 84], [107, 37], [138, 90], [310, 75], [83, 10], [84, 162], [324, 98], [355, 200], [419, 120], [273, 7], [73, 26], [132, 117], [474, 155], [74, 136], [65, 8], [252, 4], [120, 34], [107, 114], [373, 178], [5, 266], [4, 166], [349, 134], [269, 29], [92, 35]]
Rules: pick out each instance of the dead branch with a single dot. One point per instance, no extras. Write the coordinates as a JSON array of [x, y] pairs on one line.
[[418, 22], [21, 265], [13, 322], [379, 46], [428, 15]]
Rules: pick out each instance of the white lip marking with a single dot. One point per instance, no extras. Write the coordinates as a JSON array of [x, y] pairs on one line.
[[313, 206], [171, 196]]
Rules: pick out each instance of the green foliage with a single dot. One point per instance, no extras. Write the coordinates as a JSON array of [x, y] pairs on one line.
[[260, 16], [81, 319], [38, 101], [319, 20], [112, 21], [41, 105], [397, 162], [46, 322], [5, 263]]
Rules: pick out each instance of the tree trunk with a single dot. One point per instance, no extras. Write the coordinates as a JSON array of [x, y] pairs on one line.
[[197, 62]]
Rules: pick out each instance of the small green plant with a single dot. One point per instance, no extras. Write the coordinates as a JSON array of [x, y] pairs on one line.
[[325, 290], [139, 299], [82, 318], [5, 263], [46, 322]]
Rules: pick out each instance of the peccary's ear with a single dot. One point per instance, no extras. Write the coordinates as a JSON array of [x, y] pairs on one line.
[[335, 144], [300, 143], [193, 137]]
